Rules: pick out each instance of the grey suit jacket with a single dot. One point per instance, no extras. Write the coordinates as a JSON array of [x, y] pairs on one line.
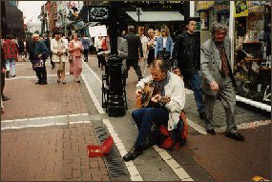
[[211, 64]]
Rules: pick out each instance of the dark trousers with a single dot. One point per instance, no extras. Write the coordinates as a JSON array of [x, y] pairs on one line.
[[41, 74], [134, 64], [3, 82], [86, 54], [145, 117], [195, 83], [101, 59]]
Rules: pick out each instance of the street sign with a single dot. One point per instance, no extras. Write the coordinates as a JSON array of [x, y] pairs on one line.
[[98, 13]]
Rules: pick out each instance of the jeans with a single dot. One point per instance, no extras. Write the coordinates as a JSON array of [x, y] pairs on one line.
[[145, 117], [86, 54], [10, 65], [195, 83]]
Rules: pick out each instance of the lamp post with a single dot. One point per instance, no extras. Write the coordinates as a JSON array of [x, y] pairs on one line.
[[116, 98]]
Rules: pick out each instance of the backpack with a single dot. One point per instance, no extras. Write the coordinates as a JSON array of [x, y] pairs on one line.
[[171, 140]]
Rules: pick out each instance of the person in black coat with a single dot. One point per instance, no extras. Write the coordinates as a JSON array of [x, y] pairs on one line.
[[187, 55], [41, 53], [134, 46]]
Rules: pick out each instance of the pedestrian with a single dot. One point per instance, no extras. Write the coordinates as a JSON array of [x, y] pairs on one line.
[[21, 49], [101, 45], [11, 55], [3, 76], [75, 49], [167, 100], [59, 51], [187, 56], [134, 45], [122, 51], [30, 47], [218, 80], [151, 46], [41, 53], [86, 42], [50, 37], [164, 44], [143, 61]]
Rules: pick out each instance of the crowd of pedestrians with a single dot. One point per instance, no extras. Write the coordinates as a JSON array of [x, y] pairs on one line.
[[156, 50]]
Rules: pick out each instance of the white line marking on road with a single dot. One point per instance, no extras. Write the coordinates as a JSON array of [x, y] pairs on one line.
[[197, 127], [95, 75], [32, 77], [7, 121], [134, 174], [172, 163], [96, 102]]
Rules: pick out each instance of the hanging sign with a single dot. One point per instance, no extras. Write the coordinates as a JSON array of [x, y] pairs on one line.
[[98, 31], [98, 13], [240, 8]]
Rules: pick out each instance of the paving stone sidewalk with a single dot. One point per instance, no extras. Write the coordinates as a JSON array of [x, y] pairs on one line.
[[45, 131]]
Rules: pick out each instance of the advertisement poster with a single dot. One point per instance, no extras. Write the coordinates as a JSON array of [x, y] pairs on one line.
[[241, 8]]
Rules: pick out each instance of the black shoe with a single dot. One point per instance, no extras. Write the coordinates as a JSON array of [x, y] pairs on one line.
[[235, 136], [58, 81], [42, 83], [5, 98], [133, 153], [78, 81], [211, 131], [38, 82], [53, 67], [203, 115]]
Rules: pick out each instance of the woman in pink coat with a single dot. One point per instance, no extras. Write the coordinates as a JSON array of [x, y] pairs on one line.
[[75, 49]]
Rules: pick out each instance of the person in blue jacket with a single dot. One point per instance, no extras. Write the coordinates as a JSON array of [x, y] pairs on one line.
[[164, 44]]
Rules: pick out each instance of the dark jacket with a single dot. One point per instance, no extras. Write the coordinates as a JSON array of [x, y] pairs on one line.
[[187, 53], [134, 45], [30, 47], [40, 48]]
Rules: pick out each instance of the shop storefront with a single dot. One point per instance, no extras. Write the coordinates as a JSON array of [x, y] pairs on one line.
[[252, 63], [250, 31]]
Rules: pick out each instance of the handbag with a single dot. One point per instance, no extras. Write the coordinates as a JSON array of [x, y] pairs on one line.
[[39, 63]]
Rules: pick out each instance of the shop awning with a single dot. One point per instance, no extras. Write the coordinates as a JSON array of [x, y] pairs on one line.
[[156, 16]]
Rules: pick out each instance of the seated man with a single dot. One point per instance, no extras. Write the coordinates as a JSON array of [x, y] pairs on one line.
[[168, 99]]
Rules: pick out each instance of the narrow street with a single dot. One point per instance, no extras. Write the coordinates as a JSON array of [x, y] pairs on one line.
[[45, 130]]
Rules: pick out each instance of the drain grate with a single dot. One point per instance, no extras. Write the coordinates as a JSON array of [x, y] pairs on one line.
[[114, 161]]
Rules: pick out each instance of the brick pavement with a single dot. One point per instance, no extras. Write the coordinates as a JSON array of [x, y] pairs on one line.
[[55, 153], [50, 154]]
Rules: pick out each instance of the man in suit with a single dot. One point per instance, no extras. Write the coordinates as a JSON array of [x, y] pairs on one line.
[[218, 80], [134, 46]]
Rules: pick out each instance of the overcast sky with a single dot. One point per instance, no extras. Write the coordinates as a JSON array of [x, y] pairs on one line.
[[31, 9]]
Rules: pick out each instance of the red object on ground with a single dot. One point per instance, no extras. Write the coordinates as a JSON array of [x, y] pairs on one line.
[[94, 150]]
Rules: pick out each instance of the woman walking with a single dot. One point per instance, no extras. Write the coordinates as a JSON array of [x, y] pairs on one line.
[[164, 45], [59, 57], [75, 49]]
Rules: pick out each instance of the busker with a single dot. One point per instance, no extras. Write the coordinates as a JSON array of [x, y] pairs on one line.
[[218, 80], [187, 55], [164, 108]]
